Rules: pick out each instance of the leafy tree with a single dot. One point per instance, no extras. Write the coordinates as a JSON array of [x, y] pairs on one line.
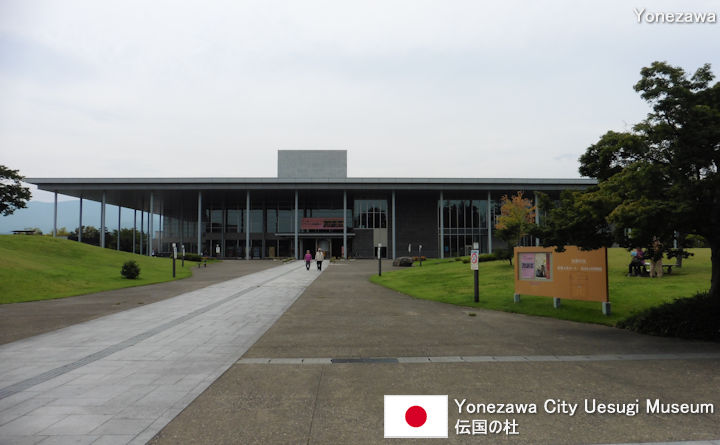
[[62, 231], [517, 219], [90, 235], [13, 195], [659, 178]]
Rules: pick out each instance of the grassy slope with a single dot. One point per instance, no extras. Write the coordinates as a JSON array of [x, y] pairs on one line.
[[41, 268], [451, 282]]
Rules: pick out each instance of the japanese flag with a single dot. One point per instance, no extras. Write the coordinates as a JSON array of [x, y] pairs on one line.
[[416, 416]]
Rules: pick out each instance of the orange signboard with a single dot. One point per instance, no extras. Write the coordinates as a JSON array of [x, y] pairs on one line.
[[574, 274]]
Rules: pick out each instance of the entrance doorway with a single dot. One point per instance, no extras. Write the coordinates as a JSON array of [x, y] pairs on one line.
[[313, 244], [323, 244]]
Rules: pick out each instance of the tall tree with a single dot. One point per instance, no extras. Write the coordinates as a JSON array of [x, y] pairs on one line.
[[13, 195], [517, 219], [659, 178]]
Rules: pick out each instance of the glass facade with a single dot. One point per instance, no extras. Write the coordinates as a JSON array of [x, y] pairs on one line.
[[370, 214], [465, 222], [466, 218]]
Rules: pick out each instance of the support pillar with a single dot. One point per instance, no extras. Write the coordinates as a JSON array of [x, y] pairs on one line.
[[489, 221], [118, 235], [160, 229], [55, 217], [442, 227], [345, 224], [80, 229], [394, 250], [222, 230], [134, 228], [537, 217], [247, 225], [150, 223], [199, 224], [295, 228], [142, 228], [102, 221]]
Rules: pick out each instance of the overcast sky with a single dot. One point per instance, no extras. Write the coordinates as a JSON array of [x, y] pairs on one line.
[[410, 88]]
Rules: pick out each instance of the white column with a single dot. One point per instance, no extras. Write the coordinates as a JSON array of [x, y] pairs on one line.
[[142, 227], [489, 221], [80, 226], [442, 227], [393, 226], [102, 221], [151, 226], [161, 224], [118, 233], [134, 228], [295, 228], [344, 224], [247, 225], [55, 217], [537, 217], [199, 224]]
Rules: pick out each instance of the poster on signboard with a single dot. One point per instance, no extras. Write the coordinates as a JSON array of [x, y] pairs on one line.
[[527, 266], [535, 266], [542, 266]]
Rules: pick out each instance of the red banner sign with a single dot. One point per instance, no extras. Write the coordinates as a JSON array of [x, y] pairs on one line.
[[321, 224]]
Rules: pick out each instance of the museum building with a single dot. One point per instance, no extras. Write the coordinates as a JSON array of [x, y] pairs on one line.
[[311, 204]]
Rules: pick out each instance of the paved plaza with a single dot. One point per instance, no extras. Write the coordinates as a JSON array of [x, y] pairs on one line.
[[120, 378]]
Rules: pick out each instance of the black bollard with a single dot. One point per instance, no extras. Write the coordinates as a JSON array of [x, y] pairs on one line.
[[477, 291]]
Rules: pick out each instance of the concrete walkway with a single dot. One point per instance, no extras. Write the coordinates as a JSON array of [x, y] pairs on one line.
[[21, 320], [121, 378]]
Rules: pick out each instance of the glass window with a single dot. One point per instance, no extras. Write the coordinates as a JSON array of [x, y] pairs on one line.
[[256, 221], [216, 220], [370, 213], [234, 220], [285, 220], [271, 220]]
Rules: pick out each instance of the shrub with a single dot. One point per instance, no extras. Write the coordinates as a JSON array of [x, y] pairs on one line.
[[192, 257], [466, 260], [487, 257], [697, 318], [130, 270], [457, 258]]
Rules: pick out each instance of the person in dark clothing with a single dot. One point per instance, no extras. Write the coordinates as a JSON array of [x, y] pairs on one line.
[[636, 263]]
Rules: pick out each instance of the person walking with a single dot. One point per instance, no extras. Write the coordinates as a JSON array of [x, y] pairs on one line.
[[319, 257], [308, 258]]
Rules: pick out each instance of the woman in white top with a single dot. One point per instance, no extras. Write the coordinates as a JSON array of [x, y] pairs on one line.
[[319, 257]]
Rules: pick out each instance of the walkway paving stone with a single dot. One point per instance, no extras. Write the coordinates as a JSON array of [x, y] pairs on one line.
[[122, 377]]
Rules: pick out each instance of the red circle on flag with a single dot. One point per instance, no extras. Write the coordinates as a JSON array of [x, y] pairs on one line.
[[415, 416]]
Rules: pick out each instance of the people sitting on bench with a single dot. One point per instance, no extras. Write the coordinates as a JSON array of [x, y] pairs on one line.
[[635, 268]]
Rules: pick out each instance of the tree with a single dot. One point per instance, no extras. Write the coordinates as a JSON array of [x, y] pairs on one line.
[[13, 195], [657, 179], [90, 235], [517, 219]]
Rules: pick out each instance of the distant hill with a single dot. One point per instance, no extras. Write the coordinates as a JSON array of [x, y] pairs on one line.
[[40, 214]]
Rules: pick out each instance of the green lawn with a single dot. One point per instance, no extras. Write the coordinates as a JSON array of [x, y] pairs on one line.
[[451, 281], [42, 268]]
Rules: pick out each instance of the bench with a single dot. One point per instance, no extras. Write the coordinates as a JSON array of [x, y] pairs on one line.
[[667, 268]]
